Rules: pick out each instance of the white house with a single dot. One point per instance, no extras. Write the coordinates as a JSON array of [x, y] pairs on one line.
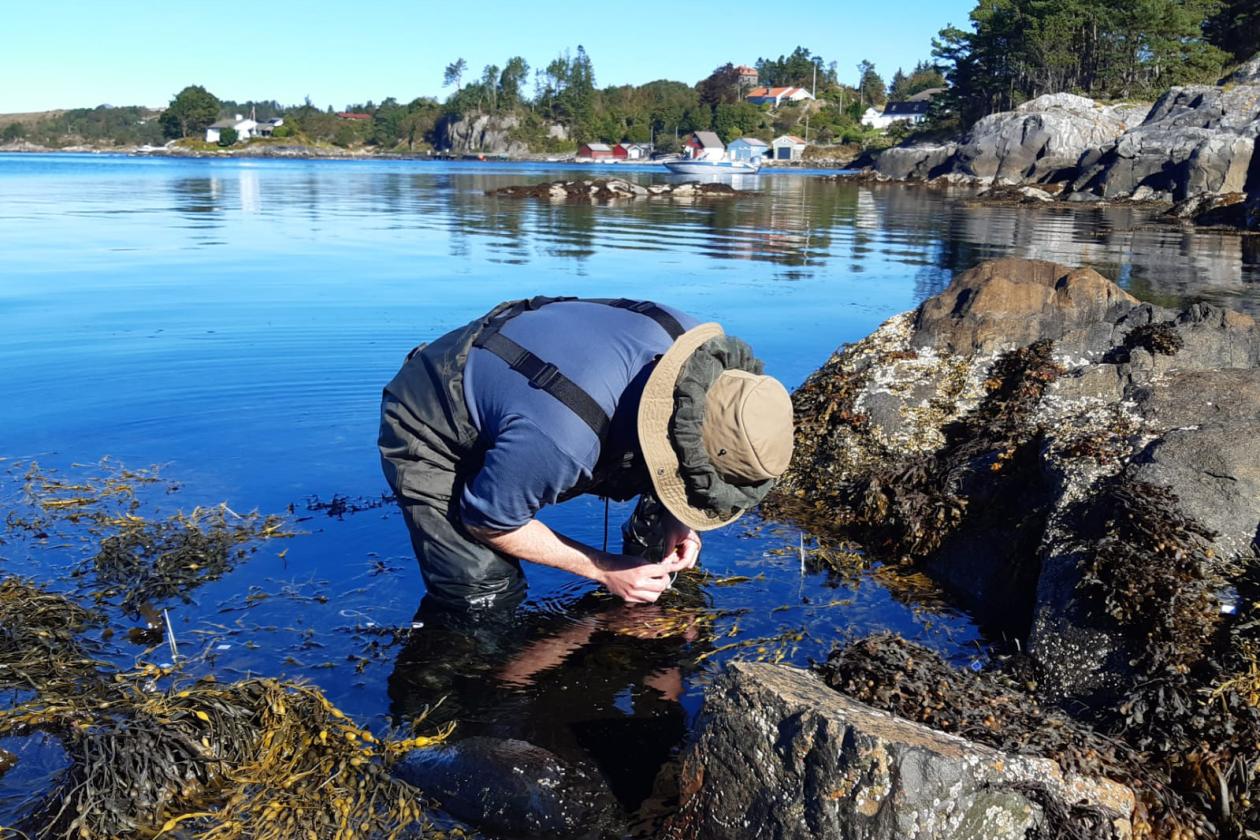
[[776, 96], [913, 110], [245, 128], [788, 147], [748, 149], [636, 151]]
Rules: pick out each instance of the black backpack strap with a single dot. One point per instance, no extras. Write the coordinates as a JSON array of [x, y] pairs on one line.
[[546, 377], [645, 307]]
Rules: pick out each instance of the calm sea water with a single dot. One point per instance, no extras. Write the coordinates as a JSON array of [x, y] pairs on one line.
[[234, 321]]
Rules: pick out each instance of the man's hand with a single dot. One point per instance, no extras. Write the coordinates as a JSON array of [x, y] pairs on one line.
[[680, 541], [637, 582]]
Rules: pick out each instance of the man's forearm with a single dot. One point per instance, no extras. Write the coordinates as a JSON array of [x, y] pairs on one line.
[[537, 543]]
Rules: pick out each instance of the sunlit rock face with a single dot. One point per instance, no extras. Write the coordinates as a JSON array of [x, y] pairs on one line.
[[1197, 140]]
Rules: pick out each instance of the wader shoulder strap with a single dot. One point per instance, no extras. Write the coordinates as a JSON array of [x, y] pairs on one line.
[[645, 307], [547, 377]]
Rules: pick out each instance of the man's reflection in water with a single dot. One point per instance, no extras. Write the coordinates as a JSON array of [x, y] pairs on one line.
[[595, 681]]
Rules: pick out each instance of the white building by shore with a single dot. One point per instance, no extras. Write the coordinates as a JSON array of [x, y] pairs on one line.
[[245, 128]]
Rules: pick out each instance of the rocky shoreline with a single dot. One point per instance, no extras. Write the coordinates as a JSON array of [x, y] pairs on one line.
[[1193, 149], [1082, 471]]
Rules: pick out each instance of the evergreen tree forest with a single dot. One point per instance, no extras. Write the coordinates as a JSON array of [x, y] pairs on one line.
[[1015, 50]]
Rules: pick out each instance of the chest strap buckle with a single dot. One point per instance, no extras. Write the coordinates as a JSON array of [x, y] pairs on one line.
[[544, 376]]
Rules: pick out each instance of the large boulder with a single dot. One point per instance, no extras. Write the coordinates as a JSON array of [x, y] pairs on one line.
[[1040, 139], [781, 755], [987, 435], [1197, 140], [920, 162], [1010, 303]]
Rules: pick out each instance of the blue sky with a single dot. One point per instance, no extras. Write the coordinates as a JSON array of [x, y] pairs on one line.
[[78, 53]]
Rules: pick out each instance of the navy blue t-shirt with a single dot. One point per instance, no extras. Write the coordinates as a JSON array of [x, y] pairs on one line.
[[536, 448]]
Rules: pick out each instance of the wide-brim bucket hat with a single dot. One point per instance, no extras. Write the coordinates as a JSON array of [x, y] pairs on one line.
[[747, 430]]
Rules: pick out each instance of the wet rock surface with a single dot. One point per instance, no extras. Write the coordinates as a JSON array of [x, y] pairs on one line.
[[780, 754], [1083, 471], [512, 788], [611, 189]]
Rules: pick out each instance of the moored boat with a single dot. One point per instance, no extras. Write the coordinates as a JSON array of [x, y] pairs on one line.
[[689, 166]]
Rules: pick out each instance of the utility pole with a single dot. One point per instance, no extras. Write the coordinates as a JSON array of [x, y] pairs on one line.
[[813, 93]]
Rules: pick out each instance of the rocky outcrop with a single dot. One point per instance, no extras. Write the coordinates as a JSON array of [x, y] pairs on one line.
[[1040, 139], [1248, 73], [486, 133], [1037, 142], [1196, 142], [612, 189], [918, 162], [1003, 434], [779, 754]]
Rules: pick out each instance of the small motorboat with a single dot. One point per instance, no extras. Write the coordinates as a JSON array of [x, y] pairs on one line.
[[689, 166]]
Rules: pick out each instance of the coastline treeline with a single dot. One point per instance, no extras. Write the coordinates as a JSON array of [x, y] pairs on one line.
[[1012, 51], [1016, 50]]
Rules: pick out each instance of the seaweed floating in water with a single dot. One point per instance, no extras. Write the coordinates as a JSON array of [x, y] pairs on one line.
[[134, 556], [148, 561], [40, 648]]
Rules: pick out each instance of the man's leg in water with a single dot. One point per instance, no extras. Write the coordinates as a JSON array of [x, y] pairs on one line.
[[457, 569]]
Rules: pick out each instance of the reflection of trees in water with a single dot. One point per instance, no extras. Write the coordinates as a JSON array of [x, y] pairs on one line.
[[789, 221], [802, 224]]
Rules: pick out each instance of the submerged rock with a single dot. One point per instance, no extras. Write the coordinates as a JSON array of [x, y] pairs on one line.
[[512, 788], [779, 754]]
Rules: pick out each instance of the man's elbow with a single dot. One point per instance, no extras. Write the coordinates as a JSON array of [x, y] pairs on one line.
[[485, 535]]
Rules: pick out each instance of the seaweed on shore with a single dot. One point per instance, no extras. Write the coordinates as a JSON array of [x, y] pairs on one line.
[[1152, 569], [999, 708], [256, 758]]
